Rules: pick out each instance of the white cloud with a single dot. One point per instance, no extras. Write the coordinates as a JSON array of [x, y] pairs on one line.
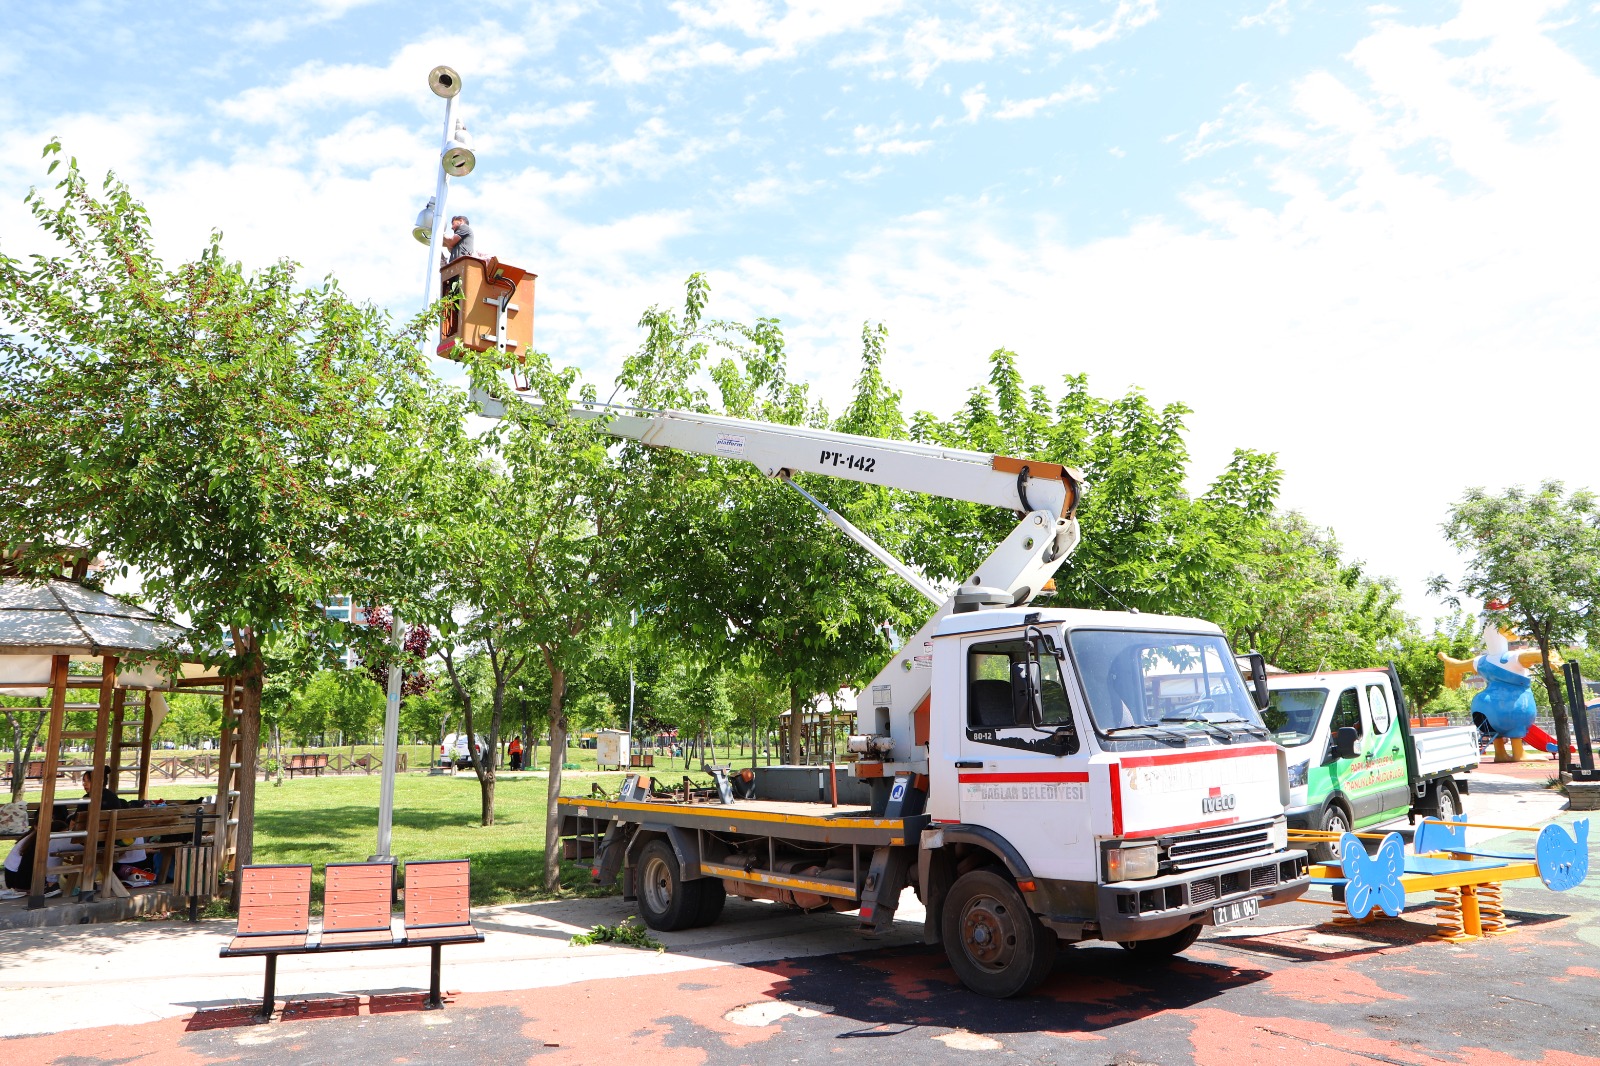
[[973, 101], [482, 53], [763, 36], [1029, 108], [884, 140], [1128, 16], [1275, 14], [304, 17]]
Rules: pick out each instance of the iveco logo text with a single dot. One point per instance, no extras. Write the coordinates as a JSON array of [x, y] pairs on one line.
[[1213, 804]]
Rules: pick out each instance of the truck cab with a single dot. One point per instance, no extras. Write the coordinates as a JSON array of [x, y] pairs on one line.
[[1118, 762], [1354, 759]]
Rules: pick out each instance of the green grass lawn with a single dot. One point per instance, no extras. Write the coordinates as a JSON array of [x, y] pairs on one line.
[[335, 819]]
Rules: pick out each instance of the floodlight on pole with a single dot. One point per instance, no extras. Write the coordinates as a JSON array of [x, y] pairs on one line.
[[423, 230], [429, 229]]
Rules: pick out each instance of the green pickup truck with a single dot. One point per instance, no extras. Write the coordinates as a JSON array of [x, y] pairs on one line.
[[1354, 758]]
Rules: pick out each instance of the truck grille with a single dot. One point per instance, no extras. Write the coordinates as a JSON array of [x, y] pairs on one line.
[[1211, 846]]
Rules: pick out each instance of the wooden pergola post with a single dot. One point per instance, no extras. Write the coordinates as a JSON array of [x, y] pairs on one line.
[[59, 665], [109, 695]]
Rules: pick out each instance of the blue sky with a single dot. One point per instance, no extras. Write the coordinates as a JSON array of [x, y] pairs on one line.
[[1360, 235]]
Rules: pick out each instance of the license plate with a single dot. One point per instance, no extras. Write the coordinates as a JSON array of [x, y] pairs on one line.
[[1237, 911]]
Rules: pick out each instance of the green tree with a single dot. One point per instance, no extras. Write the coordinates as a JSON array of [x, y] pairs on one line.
[[1540, 553], [25, 716], [740, 567], [243, 443], [524, 561], [347, 702], [1294, 597], [1147, 543], [1416, 658], [191, 719]]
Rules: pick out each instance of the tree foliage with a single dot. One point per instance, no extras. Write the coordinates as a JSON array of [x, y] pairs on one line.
[[1539, 552], [240, 440]]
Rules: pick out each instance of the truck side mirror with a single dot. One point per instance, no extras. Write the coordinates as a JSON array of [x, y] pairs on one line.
[[1345, 740], [1027, 702], [1258, 679]]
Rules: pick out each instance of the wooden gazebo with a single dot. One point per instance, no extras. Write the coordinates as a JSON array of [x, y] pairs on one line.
[[86, 650]]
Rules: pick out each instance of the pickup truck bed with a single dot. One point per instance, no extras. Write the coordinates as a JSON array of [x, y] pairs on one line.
[[1444, 750]]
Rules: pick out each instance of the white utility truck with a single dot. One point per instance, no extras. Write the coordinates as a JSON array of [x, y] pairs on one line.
[[1354, 758], [1038, 776]]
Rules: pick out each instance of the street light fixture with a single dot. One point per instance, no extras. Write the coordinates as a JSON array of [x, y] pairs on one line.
[[456, 159], [423, 230]]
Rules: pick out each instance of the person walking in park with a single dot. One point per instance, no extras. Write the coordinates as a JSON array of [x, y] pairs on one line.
[[515, 751]]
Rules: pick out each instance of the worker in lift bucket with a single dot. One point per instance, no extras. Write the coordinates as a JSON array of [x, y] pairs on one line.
[[459, 239]]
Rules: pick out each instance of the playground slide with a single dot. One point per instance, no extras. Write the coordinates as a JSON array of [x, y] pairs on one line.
[[1543, 741]]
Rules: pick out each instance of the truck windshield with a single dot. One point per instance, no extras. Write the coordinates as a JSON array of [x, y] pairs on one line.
[[1292, 714], [1158, 680]]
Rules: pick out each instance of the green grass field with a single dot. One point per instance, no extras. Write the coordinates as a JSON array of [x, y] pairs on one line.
[[335, 819]]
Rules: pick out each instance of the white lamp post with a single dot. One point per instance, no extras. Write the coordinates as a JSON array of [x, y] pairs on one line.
[[456, 159]]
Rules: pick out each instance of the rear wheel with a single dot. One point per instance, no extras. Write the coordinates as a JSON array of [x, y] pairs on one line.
[[666, 901], [1446, 804], [712, 897], [1163, 947], [994, 943], [1333, 820]]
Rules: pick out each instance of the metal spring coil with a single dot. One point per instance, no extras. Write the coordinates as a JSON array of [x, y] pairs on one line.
[[1447, 904], [1491, 909]]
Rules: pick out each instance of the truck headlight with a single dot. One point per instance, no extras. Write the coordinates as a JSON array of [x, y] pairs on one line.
[[1278, 835], [1299, 772], [1133, 864]]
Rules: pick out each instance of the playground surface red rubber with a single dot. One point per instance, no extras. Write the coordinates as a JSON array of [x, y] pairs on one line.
[[1375, 993]]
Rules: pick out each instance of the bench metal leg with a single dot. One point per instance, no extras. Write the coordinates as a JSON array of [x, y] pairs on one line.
[[269, 994], [435, 1000]]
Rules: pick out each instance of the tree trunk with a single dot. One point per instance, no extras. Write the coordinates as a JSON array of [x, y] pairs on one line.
[[1558, 707], [247, 742], [796, 725], [486, 766], [22, 751], [558, 742]]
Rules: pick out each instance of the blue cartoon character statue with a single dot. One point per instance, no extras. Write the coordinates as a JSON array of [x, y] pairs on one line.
[[1505, 709]]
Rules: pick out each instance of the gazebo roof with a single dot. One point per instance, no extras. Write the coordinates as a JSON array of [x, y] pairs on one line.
[[64, 618]]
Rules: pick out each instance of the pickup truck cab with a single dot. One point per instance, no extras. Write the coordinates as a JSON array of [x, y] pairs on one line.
[[1354, 759]]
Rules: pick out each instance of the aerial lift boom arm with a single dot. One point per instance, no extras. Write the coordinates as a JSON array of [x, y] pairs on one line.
[[892, 710]]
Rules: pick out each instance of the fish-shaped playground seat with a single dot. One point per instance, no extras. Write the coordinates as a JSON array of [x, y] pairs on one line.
[[1373, 880], [1563, 860]]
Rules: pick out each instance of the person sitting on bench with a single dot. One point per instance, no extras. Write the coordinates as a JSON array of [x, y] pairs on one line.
[[19, 863]]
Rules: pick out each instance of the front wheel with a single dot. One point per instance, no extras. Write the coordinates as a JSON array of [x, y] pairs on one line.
[[994, 943], [1335, 821], [1165, 946]]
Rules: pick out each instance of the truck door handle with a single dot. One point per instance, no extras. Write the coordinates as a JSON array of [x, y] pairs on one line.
[[968, 765]]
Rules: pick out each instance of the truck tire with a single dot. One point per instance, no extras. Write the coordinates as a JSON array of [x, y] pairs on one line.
[[1334, 819], [712, 896], [666, 901], [1163, 947], [1446, 803], [995, 944]]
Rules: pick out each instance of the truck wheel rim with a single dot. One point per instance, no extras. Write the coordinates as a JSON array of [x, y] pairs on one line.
[[657, 885], [1447, 805], [1336, 825], [989, 933]]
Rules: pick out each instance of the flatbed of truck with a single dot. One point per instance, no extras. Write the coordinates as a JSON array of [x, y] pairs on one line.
[[845, 824]]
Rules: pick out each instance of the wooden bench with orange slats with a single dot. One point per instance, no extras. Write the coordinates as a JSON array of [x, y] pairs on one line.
[[437, 914], [275, 903]]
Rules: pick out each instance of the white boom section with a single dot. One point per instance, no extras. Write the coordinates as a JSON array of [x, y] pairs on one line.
[[1045, 493], [777, 449]]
